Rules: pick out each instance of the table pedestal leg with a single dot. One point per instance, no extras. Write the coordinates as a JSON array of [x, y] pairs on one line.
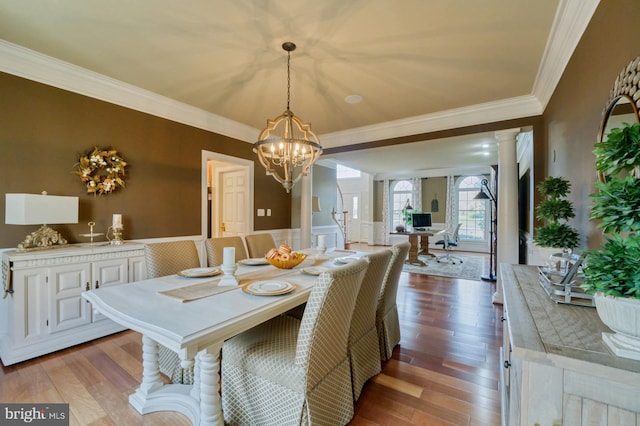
[[424, 246], [210, 404], [413, 251]]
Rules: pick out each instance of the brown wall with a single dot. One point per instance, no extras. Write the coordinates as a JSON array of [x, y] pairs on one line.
[[44, 130], [573, 115]]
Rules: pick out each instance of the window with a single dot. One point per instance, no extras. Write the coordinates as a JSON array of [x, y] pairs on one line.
[[343, 172], [401, 191], [354, 208], [472, 214]]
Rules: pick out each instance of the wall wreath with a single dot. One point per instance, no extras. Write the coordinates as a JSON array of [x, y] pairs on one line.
[[102, 171]]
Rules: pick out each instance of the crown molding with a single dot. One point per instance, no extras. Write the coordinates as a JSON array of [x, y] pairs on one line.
[[504, 109], [29, 64], [570, 22]]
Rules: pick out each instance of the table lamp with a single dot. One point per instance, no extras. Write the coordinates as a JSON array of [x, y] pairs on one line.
[[40, 209]]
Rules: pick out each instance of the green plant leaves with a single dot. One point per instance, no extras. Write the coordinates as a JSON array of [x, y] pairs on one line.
[[554, 211], [620, 152], [617, 205], [614, 270]]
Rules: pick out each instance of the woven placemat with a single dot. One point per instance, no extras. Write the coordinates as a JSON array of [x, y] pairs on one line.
[[196, 291]]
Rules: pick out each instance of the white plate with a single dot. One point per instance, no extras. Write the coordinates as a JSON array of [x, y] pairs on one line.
[[254, 261], [346, 259], [314, 270], [199, 272], [268, 288]]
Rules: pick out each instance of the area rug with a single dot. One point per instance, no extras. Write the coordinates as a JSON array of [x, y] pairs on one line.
[[469, 269]]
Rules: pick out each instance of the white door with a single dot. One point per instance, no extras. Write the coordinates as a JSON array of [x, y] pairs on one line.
[[352, 203], [232, 206]]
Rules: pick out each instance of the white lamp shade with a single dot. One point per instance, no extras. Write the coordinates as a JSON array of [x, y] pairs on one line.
[[34, 209]]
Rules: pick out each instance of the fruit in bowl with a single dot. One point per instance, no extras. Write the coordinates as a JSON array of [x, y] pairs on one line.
[[284, 258]]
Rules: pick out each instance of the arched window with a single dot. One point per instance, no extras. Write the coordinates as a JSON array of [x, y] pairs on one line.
[[401, 191], [472, 214]]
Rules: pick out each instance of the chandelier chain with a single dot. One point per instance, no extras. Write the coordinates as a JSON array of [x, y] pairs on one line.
[[288, 78]]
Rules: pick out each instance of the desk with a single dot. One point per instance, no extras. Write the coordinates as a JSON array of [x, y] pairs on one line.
[[417, 249], [195, 330]]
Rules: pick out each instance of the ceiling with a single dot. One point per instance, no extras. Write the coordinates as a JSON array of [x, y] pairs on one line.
[[418, 65]]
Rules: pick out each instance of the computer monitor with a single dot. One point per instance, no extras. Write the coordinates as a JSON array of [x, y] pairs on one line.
[[420, 221]]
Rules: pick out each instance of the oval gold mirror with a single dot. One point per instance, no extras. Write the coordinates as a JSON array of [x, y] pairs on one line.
[[623, 104]]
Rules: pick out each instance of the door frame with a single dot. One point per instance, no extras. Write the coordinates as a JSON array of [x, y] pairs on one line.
[[240, 162]]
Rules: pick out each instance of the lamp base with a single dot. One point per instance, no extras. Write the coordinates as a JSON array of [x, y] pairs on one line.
[[488, 278], [42, 239]]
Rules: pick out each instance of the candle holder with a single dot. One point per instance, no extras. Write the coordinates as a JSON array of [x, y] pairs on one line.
[[117, 236], [229, 277]]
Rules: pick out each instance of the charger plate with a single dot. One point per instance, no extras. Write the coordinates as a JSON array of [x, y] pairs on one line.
[[254, 261], [268, 288], [200, 272], [314, 270], [346, 259]]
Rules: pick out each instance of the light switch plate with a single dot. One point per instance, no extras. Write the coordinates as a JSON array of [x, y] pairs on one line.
[[260, 212]]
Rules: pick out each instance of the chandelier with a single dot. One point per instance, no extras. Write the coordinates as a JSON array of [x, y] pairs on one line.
[[287, 147]]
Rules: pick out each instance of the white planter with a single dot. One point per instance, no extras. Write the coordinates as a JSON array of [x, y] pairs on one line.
[[621, 315]]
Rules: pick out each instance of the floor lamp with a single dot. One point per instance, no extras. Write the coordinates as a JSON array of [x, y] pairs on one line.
[[492, 252]]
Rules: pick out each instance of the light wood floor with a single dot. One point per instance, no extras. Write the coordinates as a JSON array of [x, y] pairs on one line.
[[445, 370]]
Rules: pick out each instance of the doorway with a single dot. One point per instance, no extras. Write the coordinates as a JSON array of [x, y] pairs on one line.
[[227, 195]]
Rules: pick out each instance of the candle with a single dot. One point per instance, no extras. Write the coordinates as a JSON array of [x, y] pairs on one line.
[[117, 221], [322, 241], [229, 256]]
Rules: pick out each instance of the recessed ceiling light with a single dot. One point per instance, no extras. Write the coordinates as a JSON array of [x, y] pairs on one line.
[[353, 99]]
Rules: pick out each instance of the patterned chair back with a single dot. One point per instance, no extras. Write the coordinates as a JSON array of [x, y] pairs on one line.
[[215, 248], [170, 257], [364, 314], [324, 326], [259, 244]]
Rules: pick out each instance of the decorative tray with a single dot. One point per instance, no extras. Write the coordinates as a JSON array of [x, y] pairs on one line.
[[564, 292]]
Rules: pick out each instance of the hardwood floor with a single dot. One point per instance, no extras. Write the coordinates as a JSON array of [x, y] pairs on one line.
[[444, 372]]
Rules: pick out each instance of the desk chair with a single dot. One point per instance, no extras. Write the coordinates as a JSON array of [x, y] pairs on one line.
[[296, 372], [259, 244], [164, 259], [448, 242]]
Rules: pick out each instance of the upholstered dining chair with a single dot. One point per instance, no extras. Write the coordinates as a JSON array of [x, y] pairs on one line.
[[387, 322], [215, 248], [259, 244], [163, 259], [364, 349], [288, 371]]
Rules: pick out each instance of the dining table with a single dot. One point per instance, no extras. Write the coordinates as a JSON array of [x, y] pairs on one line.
[[192, 315]]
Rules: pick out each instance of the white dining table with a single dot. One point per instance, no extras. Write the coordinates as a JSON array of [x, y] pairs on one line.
[[196, 329]]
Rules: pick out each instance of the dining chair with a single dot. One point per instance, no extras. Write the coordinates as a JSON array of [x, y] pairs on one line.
[[288, 371], [448, 242], [215, 248], [259, 244], [364, 349], [168, 258], [387, 323]]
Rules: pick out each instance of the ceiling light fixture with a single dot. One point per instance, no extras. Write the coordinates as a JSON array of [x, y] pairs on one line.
[[287, 147]]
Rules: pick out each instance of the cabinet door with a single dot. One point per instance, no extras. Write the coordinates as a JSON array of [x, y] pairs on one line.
[[28, 309], [137, 269], [105, 273], [67, 308]]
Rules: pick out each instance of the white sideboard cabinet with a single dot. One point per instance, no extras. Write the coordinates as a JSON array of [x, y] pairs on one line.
[[46, 312], [556, 368]]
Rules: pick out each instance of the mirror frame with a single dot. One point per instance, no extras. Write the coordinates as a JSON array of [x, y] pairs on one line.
[[627, 85]]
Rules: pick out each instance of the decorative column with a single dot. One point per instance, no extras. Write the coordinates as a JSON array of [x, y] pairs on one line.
[[305, 210], [508, 232]]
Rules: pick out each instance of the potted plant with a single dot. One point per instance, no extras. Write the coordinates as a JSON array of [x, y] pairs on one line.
[[613, 273], [554, 211]]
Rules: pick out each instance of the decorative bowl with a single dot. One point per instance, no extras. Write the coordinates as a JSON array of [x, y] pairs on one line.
[[295, 259]]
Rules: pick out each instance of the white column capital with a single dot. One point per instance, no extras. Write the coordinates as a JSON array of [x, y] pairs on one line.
[[507, 134]]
